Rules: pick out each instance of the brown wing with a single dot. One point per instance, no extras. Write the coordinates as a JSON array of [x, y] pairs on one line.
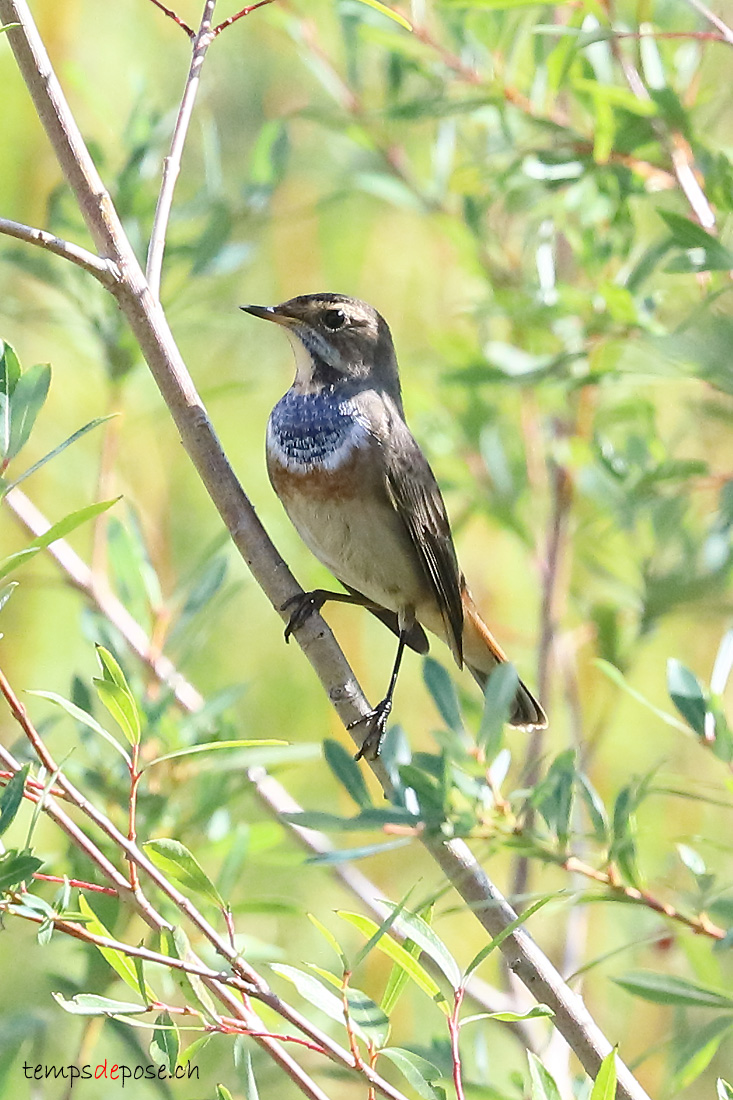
[[414, 492]]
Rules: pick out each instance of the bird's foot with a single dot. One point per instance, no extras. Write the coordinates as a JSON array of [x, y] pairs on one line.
[[376, 723], [304, 605]]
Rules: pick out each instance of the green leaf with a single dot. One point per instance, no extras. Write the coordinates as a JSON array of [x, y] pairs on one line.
[[70, 523], [543, 1084], [389, 12], [499, 694], [618, 678], [120, 963], [56, 451], [505, 932], [442, 689], [165, 1043], [415, 928], [9, 366], [364, 851], [174, 859], [12, 797], [26, 402], [397, 980], [604, 1086], [210, 746], [665, 989], [330, 940], [174, 942], [687, 694], [367, 1015], [724, 1090], [121, 706], [414, 970], [6, 592], [223, 1093], [689, 236], [315, 993], [695, 1053], [347, 771], [82, 716], [417, 1071], [115, 694], [534, 1013], [7, 565], [90, 1004], [17, 867]]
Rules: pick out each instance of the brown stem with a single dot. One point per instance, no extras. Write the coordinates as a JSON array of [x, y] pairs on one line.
[[176, 18]]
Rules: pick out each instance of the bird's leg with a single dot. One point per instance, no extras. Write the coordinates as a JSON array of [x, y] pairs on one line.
[[306, 604], [377, 718]]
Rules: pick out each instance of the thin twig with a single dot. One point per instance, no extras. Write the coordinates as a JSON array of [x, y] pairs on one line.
[[172, 163], [176, 18], [711, 17], [240, 15], [104, 270]]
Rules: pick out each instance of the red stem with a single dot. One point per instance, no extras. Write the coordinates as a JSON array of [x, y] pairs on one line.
[[176, 18], [240, 14], [454, 1029], [79, 883]]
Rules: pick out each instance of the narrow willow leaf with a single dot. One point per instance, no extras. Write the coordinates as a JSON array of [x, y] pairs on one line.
[[418, 1071], [174, 859], [114, 692], [20, 557], [17, 867], [442, 689], [398, 979], [6, 592], [687, 694], [314, 992], [347, 771], [696, 1052], [211, 746], [415, 928], [86, 719], [331, 941], [414, 970], [499, 694], [120, 963], [535, 1013], [397, 16], [12, 797], [604, 1086], [543, 1084], [724, 1090], [9, 363], [665, 989], [56, 451], [165, 1043], [26, 402], [510, 928], [619, 679], [90, 1004]]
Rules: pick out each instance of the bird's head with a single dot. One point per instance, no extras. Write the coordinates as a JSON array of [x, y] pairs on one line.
[[337, 341]]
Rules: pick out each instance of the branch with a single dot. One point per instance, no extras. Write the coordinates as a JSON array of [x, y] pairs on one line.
[[103, 270], [149, 325], [172, 163], [176, 18], [711, 17]]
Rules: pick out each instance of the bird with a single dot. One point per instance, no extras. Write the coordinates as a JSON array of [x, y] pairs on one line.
[[362, 496]]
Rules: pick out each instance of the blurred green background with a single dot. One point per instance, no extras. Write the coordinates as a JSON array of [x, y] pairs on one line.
[[498, 191]]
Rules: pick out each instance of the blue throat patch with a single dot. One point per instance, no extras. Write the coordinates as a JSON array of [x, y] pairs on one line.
[[309, 428]]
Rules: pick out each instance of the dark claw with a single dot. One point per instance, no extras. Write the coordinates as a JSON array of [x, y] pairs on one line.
[[304, 605], [376, 722]]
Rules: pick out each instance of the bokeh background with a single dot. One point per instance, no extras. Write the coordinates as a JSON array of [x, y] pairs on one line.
[[521, 197]]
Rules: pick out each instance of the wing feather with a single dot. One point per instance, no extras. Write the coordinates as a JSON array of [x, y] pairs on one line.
[[415, 495]]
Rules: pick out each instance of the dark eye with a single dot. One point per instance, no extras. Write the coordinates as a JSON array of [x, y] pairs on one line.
[[334, 319]]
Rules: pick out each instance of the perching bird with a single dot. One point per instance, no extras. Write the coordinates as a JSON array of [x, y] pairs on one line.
[[363, 498]]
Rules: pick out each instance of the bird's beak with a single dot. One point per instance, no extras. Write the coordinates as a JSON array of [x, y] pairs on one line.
[[271, 313]]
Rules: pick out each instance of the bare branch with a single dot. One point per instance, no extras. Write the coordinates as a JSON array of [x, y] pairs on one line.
[[176, 18], [103, 270], [172, 163], [240, 15], [711, 17]]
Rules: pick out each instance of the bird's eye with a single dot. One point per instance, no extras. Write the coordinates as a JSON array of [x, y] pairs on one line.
[[334, 319]]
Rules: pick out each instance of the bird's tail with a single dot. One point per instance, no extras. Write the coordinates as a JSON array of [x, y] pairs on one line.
[[482, 653]]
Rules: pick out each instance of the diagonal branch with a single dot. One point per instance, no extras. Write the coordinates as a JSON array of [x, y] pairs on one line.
[[149, 325], [103, 270]]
